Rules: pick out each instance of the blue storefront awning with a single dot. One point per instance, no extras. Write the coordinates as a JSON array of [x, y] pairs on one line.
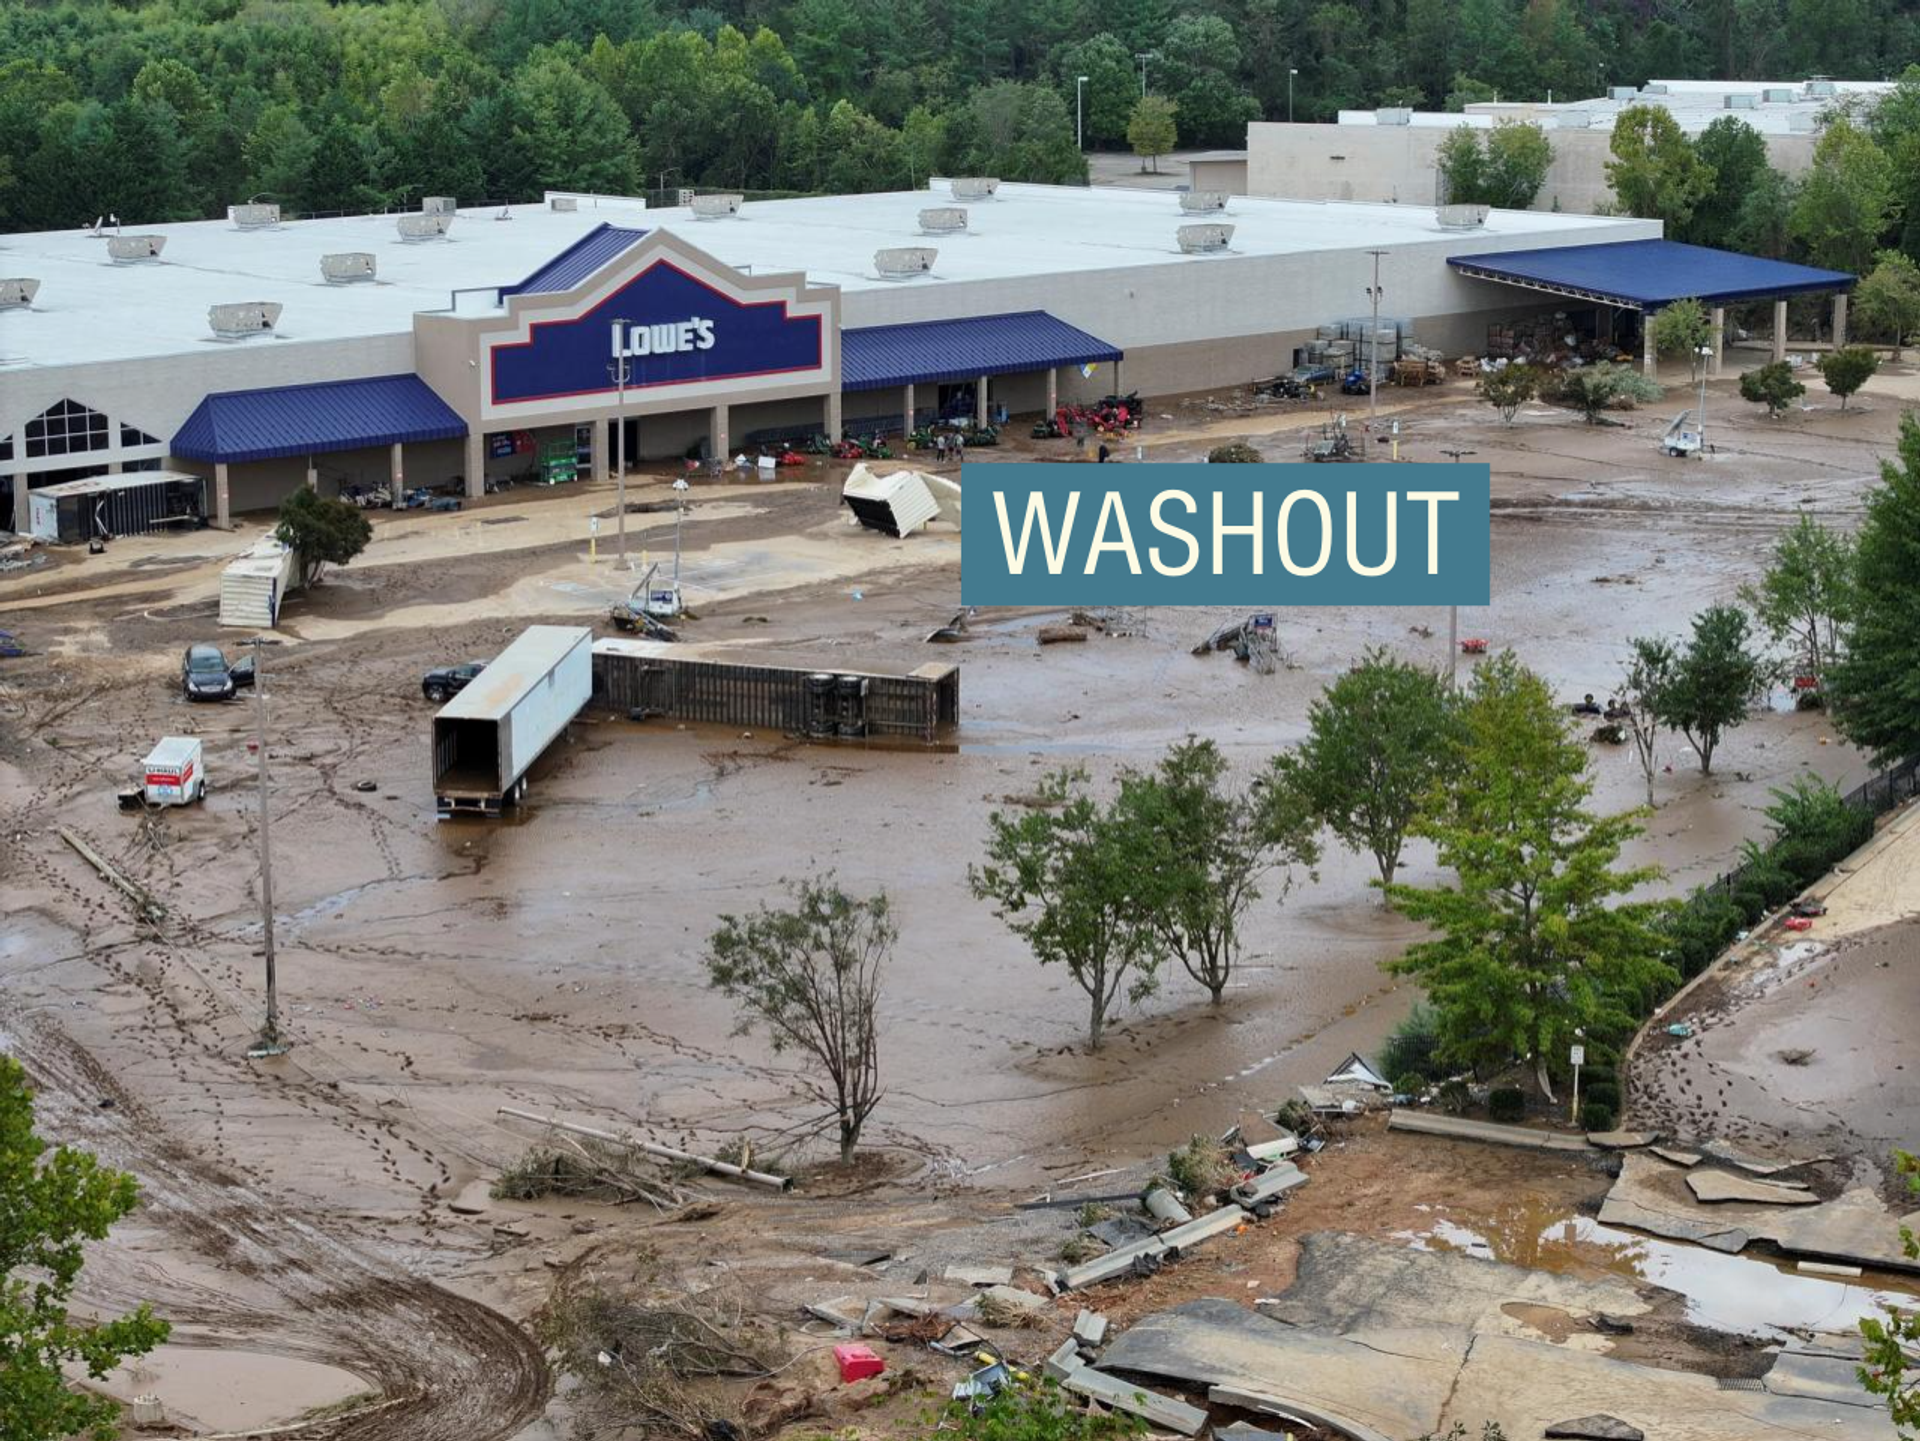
[[288, 420], [577, 261], [877, 356], [1648, 274]]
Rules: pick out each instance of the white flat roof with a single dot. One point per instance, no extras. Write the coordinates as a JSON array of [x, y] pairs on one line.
[[90, 310], [1694, 105]]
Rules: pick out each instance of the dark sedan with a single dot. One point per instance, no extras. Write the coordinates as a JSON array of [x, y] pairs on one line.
[[205, 674], [439, 685]]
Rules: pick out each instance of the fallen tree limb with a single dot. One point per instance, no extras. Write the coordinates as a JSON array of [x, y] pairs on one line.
[[149, 909], [652, 1148]]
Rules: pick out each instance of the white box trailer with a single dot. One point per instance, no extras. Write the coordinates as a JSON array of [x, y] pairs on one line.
[[487, 738], [175, 772], [253, 587]]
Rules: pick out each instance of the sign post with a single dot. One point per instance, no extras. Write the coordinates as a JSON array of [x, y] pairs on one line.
[[1577, 1055], [593, 539]]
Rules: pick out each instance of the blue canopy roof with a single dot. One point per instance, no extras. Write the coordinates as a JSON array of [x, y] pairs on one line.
[[873, 357], [1650, 273], [311, 419], [576, 262]]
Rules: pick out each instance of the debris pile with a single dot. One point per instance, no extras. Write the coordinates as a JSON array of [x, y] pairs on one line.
[[1254, 641]]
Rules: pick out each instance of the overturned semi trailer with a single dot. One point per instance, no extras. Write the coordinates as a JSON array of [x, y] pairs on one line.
[[791, 694]]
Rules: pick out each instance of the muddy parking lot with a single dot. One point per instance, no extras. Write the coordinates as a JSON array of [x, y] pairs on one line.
[[430, 971]]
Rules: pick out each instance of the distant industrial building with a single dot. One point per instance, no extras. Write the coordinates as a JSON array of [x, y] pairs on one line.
[[1388, 155]]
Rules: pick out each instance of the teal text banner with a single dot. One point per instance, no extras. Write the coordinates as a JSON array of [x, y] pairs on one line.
[[1165, 533]]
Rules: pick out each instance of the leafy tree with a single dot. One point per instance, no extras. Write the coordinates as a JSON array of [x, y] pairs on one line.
[[1204, 847], [810, 975], [1681, 329], [1107, 97], [1887, 300], [1771, 385], [1592, 389], [1150, 128], [1377, 742], [52, 1201], [1648, 678], [571, 132], [1890, 1343], [1065, 875], [1462, 165], [1531, 943], [1506, 171], [279, 154], [1466, 90], [1806, 597], [1763, 224], [1737, 155], [1847, 369], [1509, 388], [1713, 681], [1655, 172], [321, 532], [1845, 199], [1022, 132], [1874, 687]]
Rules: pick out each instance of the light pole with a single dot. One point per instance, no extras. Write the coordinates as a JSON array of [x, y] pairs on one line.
[[1453, 611], [1705, 354], [1291, 72], [1143, 56], [1079, 111], [269, 1042], [1373, 342], [617, 370], [679, 519]]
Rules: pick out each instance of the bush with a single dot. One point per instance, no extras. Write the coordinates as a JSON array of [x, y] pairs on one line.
[[1507, 1103], [1238, 453], [1455, 1096], [1412, 1047], [1200, 1168], [1596, 1116], [1410, 1084], [1603, 1090], [1700, 930], [1031, 1412]]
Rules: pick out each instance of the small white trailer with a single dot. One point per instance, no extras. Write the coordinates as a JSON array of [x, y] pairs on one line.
[[175, 773]]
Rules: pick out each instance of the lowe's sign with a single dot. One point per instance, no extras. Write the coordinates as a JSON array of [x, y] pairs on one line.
[[670, 327]]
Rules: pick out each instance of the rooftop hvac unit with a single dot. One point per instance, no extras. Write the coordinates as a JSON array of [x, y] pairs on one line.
[[347, 267], [1463, 217], [975, 187], [244, 319], [1777, 95], [17, 294], [715, 207], [1820, 85], [252, 216], [416, 228], [943, 220], [1203, 202], [1393, 115], [1742, 101], [904, 262], [439, 205], [1622, 92], [564, 202], [684, 198], [126, 249], [1204, 239]]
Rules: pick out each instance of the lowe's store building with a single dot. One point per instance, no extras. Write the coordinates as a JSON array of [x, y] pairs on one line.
[[456, 344]]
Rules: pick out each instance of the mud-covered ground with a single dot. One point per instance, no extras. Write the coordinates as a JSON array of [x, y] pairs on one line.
[[430, 972]]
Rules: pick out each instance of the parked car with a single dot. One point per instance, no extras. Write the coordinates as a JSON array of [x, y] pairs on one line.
[[1312, 374], [448, 681], [205, 674]]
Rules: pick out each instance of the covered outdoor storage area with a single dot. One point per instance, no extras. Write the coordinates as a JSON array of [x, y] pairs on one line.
[[364, 426], [1648, 275], [1012, 360]]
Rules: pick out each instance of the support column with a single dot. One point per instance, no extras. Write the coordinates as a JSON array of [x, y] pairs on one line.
[[397, 475], [313, 475], [1779, 330], [22, 518], [980, 402], [114, 467], [476, 464], [1649, 363], [832, 409], [718, 438], [222, 497], [1053, 389], [1717, 339], [601, 463], [1840, 320], [906, 412]]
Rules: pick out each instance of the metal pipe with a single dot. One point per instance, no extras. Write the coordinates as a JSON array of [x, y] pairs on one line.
[[651, 1148]]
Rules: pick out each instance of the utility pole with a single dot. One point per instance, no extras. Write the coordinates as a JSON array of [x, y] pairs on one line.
[[1291, 72], [1453, 611], [617, 370], [1143, 56], [1079, 112], [679, 519], [269, 1042], [1373, 342]]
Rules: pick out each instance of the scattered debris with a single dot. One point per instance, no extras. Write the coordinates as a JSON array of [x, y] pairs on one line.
[[654, 1149], [1253, 641], [1682, 1159], [145, 906], [1795, 1056], [1827, 1268], [1090, 1329], [1003, 1306], [954, 630], [1165, 1205], [1596, 1428], [1680, 1030], [1154, 1409], [979, 1275], [1715, 1186], [588, 1172], [1622, 1140], [1060, 634], [857, 1362]]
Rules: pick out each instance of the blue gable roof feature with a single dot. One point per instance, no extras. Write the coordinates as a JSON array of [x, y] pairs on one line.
[[288, 420], [577, 261], [919, 352], [1650, 273]]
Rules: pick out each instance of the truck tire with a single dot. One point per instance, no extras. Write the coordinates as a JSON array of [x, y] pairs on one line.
[[437, 694]]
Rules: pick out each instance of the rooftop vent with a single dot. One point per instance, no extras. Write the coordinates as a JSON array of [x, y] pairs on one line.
[[1393, 115], [1820, 85], [904, 262], [715, 207], [1621, 92], [975, 187], [564, 203], [126, 249], [943, 220], [439, 205], [1204, 239], [1744, 100], [347, 267], [1777, 95], [1203, 202], [416, 228], [252, 216], [244, 319], [17, 294], [1462, 217]]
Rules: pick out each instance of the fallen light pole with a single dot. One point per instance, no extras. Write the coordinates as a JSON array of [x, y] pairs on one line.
[[269, 1042], [651, 1148]]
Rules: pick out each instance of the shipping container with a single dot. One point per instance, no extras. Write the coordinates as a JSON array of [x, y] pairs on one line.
[[104, 506], [487, 738]]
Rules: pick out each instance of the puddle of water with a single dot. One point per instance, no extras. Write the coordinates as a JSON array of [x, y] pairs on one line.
[[232, 1390], [1729, 1293]]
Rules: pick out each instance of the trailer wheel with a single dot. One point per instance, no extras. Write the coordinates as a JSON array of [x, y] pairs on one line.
[[436, 693]]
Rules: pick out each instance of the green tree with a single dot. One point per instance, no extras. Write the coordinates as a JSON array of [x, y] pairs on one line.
[[1737, 155], [1593, 389], [1518, 157], [1107, 97], [1845, 199], [1204, 848], [1806, 597], [1150, 128], [1509, 387], [53, 1201], [1648, 675], [571, 132], [810, 975], [1891, 1343], [1874, 687], [321, 532], [1022, 132], [1376, 743], [1065, 875], [1463, 167], [1847, 369], [1681, 329], [1654, 171], [1771, 385], [1531, 944], [1715, 677], [1763, 224], [1887, 302], [279, 154]]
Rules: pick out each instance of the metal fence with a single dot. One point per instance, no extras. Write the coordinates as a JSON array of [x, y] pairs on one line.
[[1876, 796]]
